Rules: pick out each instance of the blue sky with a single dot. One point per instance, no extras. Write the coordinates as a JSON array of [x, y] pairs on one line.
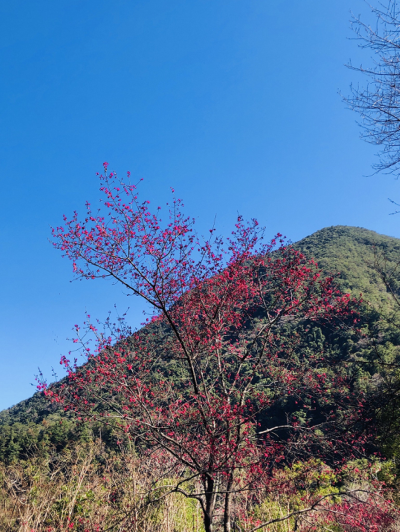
[[233, 103]]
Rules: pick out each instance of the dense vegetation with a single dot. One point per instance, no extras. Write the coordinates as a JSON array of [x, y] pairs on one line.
[[34, 434], [352, 251]]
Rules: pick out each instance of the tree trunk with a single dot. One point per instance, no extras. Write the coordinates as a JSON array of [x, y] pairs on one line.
[[228, 507], [210, 505]]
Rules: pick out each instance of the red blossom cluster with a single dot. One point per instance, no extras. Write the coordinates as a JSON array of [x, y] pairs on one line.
[[365, 514]]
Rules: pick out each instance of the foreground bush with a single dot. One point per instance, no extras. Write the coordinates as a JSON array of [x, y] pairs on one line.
[[90, 489]]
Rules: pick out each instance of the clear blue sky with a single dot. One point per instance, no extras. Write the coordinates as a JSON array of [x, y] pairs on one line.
[[234, 103]]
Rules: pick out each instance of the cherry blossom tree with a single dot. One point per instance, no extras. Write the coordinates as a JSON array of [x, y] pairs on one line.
[[224, 349]]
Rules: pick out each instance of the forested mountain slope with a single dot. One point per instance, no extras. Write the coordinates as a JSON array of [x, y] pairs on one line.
[[33, 425], [351, 252]]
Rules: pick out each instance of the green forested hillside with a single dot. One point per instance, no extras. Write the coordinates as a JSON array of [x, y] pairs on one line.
[[351, 251], [33, 426], [59, 474]]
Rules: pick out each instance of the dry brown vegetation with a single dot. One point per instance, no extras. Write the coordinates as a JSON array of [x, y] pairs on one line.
[[89, 489]]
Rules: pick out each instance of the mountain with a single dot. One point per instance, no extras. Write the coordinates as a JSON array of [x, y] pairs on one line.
[[352, 251], [33, 425]]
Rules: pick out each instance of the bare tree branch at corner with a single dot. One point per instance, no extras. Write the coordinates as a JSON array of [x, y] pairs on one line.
[[378, 103]]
